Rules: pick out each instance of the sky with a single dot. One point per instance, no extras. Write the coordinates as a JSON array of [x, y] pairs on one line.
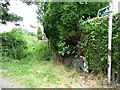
[[29, 15], [27, 12], [115, 6]]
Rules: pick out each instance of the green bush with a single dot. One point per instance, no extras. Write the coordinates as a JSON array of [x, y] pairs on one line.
[[95, 42], [39, 34], [17, 43], [41, 52]]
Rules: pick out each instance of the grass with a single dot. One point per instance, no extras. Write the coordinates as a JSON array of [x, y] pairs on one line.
[[34, 74], [38, 74]]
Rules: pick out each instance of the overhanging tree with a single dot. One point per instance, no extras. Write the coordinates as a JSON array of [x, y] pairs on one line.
[[60, 21], [5, 16]]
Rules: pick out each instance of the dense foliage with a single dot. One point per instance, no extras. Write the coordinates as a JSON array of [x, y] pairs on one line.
[[16, 44], [86, 9], [95, 42], [60, 21]]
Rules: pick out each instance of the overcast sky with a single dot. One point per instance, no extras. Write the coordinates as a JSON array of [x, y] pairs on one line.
[[27, 12]]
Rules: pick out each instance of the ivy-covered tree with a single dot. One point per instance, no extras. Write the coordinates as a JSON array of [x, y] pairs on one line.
[[5, 16], [61, 23]]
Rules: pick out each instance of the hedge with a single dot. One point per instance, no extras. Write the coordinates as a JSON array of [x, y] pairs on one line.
[[95, 42]]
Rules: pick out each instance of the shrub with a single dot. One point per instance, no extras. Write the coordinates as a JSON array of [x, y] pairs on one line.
[[39, 34], [17, 43], [41, 52], [95, 42]]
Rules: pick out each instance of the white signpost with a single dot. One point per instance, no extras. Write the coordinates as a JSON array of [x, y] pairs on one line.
[[103, 12]]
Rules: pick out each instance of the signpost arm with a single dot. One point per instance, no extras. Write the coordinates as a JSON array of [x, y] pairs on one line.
[[109, 44]]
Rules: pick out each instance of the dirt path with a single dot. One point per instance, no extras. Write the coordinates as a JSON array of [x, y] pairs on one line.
[[6, 82]]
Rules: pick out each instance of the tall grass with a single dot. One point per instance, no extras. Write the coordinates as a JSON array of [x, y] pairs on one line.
[[41, 52]]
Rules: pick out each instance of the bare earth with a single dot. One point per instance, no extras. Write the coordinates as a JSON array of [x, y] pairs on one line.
[[6, 83]]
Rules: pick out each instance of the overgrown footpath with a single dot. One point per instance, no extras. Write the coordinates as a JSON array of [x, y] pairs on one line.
[[39, 74], [31, 73], [27, 62]]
